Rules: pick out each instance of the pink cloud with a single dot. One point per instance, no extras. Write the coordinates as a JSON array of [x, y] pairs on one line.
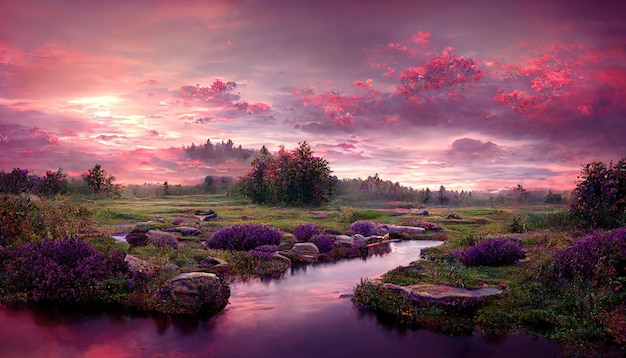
[[346, 146]]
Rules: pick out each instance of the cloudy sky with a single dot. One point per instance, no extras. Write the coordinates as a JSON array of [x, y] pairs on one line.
[[465, 94]]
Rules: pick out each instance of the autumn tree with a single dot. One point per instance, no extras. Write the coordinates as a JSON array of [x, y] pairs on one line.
[[294, 177]]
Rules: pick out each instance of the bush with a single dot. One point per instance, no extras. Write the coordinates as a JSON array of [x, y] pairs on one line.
[[363, 227], [305, 231], [244, 237], [598, 257], [324, 243], [492, 252], [264, 251], [26, 218], [64, 271], [600, 199]]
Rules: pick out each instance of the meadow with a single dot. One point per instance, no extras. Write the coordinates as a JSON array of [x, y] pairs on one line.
[[541, 294]]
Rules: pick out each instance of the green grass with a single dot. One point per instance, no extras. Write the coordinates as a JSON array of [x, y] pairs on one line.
[[529, 304]]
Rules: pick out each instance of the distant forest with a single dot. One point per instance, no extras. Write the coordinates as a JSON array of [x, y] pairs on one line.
[[218, 153]]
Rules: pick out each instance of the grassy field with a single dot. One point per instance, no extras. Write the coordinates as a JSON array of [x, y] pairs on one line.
[[587, 315]]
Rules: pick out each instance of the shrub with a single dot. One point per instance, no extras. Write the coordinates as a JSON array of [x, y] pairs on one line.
[[324, 243], [305, 231], [363, 227], [600, 199], [244, 237], [597, 257], [26, 218], [264, 251], [492, 252], [64, 271]]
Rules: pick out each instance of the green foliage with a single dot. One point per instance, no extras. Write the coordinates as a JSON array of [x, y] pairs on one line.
[[100, 181], [600, 199], [554, 221], [518, 225], [291, 178], [27, 218], [22, 181]]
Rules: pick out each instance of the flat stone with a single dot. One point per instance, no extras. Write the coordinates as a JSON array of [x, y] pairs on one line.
[[406, 229], [444, 292], [184, 230]]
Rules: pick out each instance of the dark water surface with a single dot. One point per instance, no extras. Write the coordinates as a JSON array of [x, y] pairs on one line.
[[301, 315]]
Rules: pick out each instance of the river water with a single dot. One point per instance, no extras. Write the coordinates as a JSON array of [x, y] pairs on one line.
[[304, 314]]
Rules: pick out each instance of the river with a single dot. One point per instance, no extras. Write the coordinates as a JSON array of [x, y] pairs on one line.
[[304, 314]]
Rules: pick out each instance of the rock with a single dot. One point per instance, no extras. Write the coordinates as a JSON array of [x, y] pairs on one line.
[[287, 242], [184, 230], [444, 295], [282, 257], [184, 222], [405, 229], [306, 248], [204, 212], [162, 239], [137, 264], [210, 217], [137, 238], [454, 216], [302, 252], [297, 257], [343, 239], [169, 269], [359, 241], [425, 213], [214, 264], [195, 293]]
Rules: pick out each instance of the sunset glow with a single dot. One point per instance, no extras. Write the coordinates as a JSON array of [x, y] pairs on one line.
[[469, 96]]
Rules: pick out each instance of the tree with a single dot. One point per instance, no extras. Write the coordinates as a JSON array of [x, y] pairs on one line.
[[599, 200], [553, 198], [522, 194], [441, 196], [166, 188], [100, 181], [209, 184], [291, 177]]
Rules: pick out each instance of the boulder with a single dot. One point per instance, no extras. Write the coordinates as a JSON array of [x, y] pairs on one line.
[[184, 230], [454, 216], [137, 238], [448, 296], [297, 257], [278, 256], [184, 222], [359, 240], [137, 264], [194, 293], [302, 252], [306, 248], [213, 264], [210, 217], [162, 239], [343, 239], [169, 269]]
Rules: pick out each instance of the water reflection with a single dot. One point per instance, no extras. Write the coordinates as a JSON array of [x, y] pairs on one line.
[[301, 315]]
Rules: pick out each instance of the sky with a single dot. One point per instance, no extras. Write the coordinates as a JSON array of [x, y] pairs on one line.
[[474, 95]]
